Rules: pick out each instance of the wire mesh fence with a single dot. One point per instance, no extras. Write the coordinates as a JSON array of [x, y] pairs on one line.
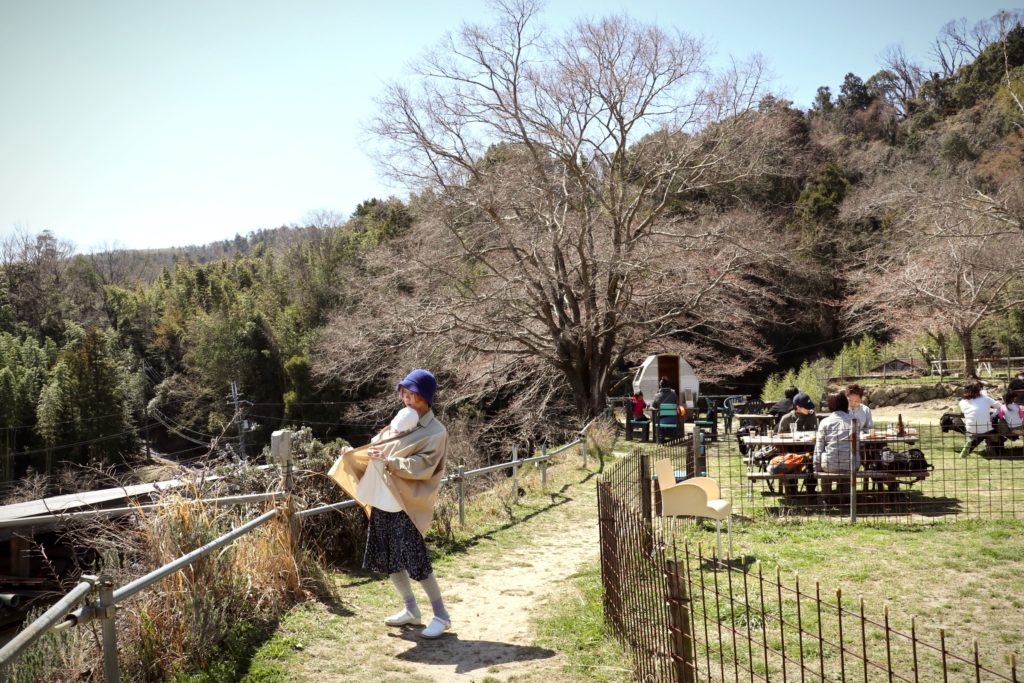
[[744, 626], [687, 616], [921, 474]]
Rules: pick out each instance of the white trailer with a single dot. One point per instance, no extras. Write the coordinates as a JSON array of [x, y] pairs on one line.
[[678, 372]]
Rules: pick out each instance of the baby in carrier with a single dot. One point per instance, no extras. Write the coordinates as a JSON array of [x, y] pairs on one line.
[[405, 420], [373, 489]]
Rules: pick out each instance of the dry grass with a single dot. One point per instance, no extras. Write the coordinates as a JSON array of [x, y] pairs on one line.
[[602, 437], [190, 621]]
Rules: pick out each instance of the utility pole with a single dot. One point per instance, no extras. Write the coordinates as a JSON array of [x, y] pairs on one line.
[[238, 416], [145, 408]]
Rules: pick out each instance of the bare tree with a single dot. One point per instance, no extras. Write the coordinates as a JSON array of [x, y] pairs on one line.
[[946, 265], [556, 176], [34, 267], [1008, 21], [957, 44], [901, 78]]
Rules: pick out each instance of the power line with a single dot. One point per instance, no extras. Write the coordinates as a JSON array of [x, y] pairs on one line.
[[177, 426], [160, 417], [78, 443], [64, 422], [312, 422]]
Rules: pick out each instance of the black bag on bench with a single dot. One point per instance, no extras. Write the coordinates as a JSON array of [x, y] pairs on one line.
[[898, 462], [951, 422]]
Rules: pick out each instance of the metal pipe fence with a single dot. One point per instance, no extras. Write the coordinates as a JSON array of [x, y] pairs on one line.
[[686, 616], [104, 607], [66, 612]]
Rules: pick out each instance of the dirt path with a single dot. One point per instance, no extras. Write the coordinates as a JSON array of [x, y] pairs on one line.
[[491, 634], [491, 594]]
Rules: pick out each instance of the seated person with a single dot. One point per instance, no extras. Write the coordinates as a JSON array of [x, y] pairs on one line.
[[666, 394], [784, 406], [637, 406], [833, 449], [1017, 385], [1009, 414], [858, 411], [802, 416], [976, 408]]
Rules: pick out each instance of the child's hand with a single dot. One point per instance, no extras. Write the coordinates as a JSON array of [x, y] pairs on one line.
[[376, 454]]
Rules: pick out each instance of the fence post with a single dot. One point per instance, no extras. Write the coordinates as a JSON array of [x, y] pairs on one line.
[[611, 571], [854, 453], [679, 612], [583, 447], [515, 473], [462, 495], [107, 612], [645, 487], [281, 453], [544, 470]]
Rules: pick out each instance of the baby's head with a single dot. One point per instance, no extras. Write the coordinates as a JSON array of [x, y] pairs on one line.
[[405, 420]]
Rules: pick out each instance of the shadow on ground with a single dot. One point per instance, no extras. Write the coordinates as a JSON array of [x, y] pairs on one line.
[[466, 655]]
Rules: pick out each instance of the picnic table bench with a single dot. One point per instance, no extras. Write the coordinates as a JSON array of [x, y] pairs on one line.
[[890, 479]]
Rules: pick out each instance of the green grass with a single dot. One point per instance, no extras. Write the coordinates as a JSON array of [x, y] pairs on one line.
[[576, 627], [963, 576]]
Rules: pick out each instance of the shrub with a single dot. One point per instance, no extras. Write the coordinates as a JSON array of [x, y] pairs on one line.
[[601, 438]]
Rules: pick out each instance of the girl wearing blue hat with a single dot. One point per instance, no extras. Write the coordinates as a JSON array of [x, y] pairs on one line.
[[413, 464]]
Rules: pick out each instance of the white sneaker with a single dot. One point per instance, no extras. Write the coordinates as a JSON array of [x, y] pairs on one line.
[[436, 628], [403, 618]]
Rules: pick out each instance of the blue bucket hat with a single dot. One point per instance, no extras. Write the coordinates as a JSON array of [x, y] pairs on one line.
[[421, 382]]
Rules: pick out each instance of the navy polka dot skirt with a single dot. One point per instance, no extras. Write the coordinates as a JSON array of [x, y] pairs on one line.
[[393, 543]]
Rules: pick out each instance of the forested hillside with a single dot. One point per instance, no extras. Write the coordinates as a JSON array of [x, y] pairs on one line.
[[618, 207]]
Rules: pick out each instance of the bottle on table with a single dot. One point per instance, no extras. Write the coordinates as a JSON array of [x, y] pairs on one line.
[[900, 429]]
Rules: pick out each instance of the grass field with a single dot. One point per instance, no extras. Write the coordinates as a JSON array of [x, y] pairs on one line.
[[986, 485], [963, 578], [954, 563]]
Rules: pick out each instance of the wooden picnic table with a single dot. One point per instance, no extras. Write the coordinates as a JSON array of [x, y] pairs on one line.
[[871, 441], [789, 440]]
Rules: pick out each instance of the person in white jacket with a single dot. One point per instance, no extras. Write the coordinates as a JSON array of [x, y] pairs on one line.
[[977, 408]]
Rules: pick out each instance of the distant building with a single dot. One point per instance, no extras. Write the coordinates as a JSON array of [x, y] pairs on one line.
[[907, 367]]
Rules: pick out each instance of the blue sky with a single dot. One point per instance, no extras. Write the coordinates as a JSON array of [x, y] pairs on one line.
[[152, 124]]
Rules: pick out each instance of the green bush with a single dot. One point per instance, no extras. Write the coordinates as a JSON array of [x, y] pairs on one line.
[[811, 377]]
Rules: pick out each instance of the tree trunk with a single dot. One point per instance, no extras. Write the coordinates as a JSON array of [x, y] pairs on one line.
[[941, 339], [968, 343], [589, 383]]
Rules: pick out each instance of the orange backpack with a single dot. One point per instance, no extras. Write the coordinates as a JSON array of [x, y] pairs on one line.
[[789, 463]]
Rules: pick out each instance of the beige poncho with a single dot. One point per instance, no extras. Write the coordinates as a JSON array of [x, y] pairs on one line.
[[415, 462]]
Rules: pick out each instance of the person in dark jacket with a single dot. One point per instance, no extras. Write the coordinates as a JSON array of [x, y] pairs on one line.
[[666, 394], [1017, 386], [784, 406], [802, 416]]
